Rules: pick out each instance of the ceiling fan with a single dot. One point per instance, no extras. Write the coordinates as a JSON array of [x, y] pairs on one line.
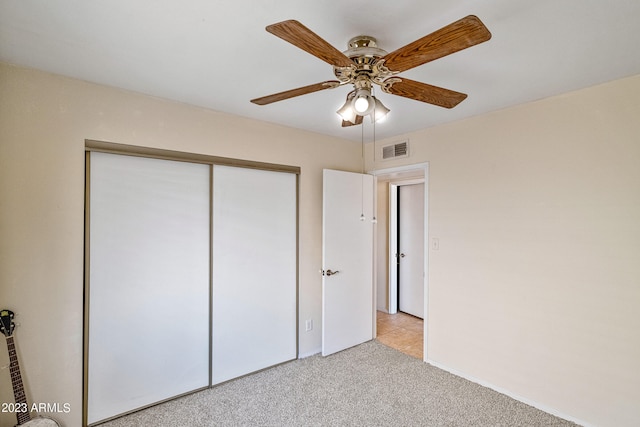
[[364, 64]]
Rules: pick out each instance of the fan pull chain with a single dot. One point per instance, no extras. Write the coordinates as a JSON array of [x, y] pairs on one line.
[[374, 220], [362, 217]]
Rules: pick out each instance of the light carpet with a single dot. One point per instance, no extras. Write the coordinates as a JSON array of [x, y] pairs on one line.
[[368, 385]]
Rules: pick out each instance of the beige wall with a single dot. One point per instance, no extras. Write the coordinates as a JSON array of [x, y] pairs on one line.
[[44, 121], [535, 289]]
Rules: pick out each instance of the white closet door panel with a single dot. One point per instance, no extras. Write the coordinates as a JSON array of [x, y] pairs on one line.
[[148, 283], [254, 270]]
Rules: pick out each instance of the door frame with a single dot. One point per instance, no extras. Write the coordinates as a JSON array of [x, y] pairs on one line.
[[158, 153], [396, 176]]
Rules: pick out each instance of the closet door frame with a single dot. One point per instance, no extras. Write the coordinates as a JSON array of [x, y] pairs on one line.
[[154, 153]]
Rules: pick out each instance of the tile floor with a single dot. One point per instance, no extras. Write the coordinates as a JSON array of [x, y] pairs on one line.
[[402, 332]]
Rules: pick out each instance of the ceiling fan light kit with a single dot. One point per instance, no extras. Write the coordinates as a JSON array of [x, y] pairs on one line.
[[364, 64], [369, 106]]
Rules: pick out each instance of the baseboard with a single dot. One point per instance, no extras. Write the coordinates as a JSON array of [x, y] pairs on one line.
[[526, 401], [309, 353]]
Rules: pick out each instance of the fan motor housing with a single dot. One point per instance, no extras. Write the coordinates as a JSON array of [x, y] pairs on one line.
[[364, 52]]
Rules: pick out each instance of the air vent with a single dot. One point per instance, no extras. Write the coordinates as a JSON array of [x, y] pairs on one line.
[[393, 151]]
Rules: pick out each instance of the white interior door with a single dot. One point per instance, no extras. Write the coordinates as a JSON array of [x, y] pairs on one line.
[[254, 270], [347, 260], [411, 249]]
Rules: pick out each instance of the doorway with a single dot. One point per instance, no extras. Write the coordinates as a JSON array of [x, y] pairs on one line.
[[399, 323]]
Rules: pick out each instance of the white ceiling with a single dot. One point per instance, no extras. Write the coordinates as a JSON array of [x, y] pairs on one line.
[[217, 54]]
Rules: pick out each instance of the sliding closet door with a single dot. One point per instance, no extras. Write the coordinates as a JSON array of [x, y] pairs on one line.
[[254, 270], [148, 287]]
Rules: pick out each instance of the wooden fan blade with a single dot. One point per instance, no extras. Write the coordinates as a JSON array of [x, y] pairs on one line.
[[423, 92], [299, 35], [347, 124], [330, 84], [459, 35]]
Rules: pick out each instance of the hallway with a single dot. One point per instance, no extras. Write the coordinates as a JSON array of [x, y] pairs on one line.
[[402, 332]]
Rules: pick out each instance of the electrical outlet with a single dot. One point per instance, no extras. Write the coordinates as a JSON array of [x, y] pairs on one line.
[[309, 325]]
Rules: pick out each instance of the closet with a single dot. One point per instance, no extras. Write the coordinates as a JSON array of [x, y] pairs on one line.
[[190, 274]]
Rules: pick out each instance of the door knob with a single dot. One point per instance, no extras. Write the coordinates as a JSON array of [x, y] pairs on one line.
[[330, 273], [402, 255]]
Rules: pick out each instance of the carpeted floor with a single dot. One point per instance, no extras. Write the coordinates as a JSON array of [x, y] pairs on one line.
[[368, 385]]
